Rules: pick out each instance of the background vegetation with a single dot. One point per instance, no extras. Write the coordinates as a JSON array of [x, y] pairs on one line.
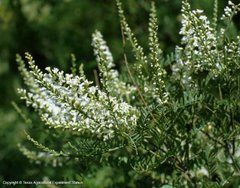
[[51, 30]]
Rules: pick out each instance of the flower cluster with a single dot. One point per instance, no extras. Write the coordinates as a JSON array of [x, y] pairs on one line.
[[149, 71], [109, 76], [198, 38], [200, 50], [68, 101], [230, 10], [156, 67]]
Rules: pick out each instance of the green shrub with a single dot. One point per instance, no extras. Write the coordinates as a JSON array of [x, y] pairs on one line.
[[170, 122]]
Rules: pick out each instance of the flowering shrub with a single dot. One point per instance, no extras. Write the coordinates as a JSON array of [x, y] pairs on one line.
[[174, 123]]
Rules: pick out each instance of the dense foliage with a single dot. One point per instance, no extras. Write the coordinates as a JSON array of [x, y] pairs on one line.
[[51, 30], [168, 121]]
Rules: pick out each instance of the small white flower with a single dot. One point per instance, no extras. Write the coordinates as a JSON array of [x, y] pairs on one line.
[[202, 172]]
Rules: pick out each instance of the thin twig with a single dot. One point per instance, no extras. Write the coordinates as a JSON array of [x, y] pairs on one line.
[[96, 77]]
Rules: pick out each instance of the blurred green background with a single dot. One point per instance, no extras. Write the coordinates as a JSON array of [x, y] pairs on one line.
[[53, 29]]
